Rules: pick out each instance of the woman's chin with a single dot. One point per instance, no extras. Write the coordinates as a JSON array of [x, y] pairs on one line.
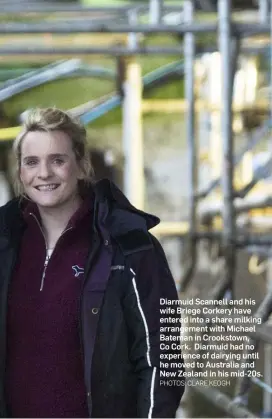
[[47, 201], [46, 198]]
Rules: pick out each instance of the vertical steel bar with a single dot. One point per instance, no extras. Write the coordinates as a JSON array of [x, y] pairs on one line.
[[132, 134], [270, 90], [267, 399], [155, 11], [189, 81], [263, 11], [133, 37], [224, 27], [244, 380]]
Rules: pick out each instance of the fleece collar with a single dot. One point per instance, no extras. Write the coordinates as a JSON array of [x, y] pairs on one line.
[[30, 209]]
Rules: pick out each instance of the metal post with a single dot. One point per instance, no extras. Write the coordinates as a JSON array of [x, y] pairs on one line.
[[133, 37], [155, 11], [263, 11], [224, 16], [215, 152], [267, 399], [132, 134], [189, 54], [244, 381], [270, 90]]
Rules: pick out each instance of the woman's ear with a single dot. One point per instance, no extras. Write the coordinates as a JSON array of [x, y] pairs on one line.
[[81, 171], [80, 175]]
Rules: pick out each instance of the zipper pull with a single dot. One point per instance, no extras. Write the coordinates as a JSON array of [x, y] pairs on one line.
[[42, 282], [48, 255]]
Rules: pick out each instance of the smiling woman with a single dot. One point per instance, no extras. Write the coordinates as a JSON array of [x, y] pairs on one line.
[[81, 286], [49, 171], [49, 123], [52, 167], [48, 164]]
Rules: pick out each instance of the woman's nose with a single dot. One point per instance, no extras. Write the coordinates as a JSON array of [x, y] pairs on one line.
[[44, 170]]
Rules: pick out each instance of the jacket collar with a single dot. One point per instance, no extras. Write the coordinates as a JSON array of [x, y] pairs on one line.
[[107, 192], [127, 225], [11, 223]]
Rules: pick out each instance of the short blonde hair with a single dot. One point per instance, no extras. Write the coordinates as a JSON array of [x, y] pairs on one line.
[[48, 120]]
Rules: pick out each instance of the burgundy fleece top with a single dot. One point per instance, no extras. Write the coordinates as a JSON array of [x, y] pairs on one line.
[[44, 369]]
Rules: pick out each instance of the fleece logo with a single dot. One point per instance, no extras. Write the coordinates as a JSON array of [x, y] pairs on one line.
[[77, 270]]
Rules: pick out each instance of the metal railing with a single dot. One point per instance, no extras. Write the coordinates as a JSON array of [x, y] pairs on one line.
[[230, 35]]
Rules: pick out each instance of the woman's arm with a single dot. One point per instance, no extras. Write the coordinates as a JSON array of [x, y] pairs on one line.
[[150, 281]]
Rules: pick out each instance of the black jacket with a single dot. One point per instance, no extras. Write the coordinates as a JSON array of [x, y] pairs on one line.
[[126, 275]]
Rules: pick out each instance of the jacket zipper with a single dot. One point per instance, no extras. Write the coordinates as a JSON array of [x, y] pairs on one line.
[[46, 262], [44, 269]]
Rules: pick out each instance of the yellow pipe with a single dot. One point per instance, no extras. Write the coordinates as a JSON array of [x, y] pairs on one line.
[[9, 133], [255, 267], [180, 105]]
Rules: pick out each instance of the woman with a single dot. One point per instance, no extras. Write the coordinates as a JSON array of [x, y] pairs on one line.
[[80, 285]]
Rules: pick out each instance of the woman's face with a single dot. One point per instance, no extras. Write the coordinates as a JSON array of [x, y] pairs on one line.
[[49, 170]]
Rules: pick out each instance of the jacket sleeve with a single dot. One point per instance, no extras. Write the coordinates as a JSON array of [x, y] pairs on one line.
[[160, 384]]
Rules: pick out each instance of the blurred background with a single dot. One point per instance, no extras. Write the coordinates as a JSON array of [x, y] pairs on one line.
[[181, 121]]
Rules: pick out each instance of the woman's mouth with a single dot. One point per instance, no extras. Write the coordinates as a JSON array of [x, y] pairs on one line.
[[49, 187]]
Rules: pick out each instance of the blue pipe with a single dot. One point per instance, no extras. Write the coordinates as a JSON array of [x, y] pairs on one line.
[[115, 100]]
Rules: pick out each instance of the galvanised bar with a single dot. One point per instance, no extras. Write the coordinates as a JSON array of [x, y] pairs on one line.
[[68, 8], [228, 213], [255, 138], [263, 10], [240, 206], [114, 51], [247, 239], [239, 29], [72, 8], [243, 384], [133, 38], [132, 133], [263, 333], [255, 240], [261, 173], [98, 27], [270, 24], [259, 251], [189, 83], [31, 73], [37, 77], [155, 11], [250, 50]]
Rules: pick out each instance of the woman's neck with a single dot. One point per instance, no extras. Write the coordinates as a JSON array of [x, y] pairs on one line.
[[55, 220]]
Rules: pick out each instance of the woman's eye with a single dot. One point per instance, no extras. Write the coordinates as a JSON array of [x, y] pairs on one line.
[[58, 162], [30, 162]]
